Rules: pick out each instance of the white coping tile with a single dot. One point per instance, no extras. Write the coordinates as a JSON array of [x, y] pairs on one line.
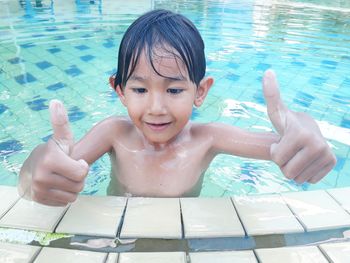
[[152, 218], [152, 257], [33, 216], [210, 217], [8, 196], [304, 254], [342, 196], [223, 257], [60, 255], [337, 252], [112, 258], [266, 214], [17, 253], [317, 210], [93, 215]]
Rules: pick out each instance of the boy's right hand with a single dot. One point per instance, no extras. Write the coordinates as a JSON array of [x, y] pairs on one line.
[[56, 178]]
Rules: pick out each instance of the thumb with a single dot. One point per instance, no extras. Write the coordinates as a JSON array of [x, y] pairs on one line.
[[62, 134], [276, 110]]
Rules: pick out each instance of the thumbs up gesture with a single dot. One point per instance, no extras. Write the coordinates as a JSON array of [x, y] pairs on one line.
[[302, 153], [50, 176]]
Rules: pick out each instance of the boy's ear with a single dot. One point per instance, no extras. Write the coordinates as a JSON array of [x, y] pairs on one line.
[[202, 90], [111, 81], [120, 93]]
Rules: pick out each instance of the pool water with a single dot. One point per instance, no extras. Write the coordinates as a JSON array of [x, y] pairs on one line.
[[67, 50]]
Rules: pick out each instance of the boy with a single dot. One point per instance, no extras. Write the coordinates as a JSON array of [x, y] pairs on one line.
[[156, 151]]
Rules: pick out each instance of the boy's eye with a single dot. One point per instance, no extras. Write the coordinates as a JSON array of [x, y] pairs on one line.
[[174, 90], [139, 90]]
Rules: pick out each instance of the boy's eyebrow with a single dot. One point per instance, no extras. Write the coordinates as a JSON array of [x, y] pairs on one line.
[[170, 79]]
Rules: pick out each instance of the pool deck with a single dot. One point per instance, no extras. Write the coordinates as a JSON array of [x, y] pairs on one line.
[[311, 226]]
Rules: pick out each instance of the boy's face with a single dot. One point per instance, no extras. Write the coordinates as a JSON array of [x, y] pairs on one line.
[[160, 107]]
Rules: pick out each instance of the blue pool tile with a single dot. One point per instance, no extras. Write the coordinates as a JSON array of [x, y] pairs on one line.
[[319, 81], [108, 44], [259, 97], [245, 46], [43, 65], [233, 65], [25, 78], [46, 138], [15, 60], [75, 114], [38, 35], [345, 123], [232, 77], [341, 99], [111, 72], [87, 58], [303, 99], [73, 71], [54, 50], [59, 38], [261, 55], [3, 108], [56, 86], [37, 104], [9, 147], [330, 64], [298, 64], [82, 47], [51, 29], [346, 82], [294, 55], [262, 66], [340, 163], [195, 114], [27, 45]]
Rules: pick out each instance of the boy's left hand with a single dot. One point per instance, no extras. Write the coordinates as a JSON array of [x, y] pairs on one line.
[[302, 153]]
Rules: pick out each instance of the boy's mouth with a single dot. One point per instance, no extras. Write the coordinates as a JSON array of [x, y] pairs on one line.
[[158, 126]]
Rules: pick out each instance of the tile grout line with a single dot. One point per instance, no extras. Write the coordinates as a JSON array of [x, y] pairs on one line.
[[119, 228], [293, 212], [59, 219], [36, 254], [239, 217], [324, 253], [340, 204], [10, 207], [182, 221]]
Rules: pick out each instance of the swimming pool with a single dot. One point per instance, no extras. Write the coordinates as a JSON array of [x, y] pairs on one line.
[[68, 50]]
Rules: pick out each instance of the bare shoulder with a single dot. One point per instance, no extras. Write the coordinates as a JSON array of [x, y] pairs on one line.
[[101, 137]]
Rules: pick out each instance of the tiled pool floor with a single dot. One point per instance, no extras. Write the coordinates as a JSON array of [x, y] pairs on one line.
[[296, 226]]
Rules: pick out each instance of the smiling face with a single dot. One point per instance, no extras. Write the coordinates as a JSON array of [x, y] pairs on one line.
[[160, 105]]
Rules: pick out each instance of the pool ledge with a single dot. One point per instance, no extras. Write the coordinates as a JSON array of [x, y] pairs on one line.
[[118, 225]]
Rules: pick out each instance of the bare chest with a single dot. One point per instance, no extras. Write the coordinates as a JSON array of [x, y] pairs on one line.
[[174, 172]]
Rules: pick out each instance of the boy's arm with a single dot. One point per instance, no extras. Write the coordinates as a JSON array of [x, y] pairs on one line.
[[54, 173], [299, 148]]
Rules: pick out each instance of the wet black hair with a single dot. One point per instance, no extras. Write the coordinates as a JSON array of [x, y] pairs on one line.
[[163, 29]]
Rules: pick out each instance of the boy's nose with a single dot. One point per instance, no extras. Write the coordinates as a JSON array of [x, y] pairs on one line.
[[157, 104]]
